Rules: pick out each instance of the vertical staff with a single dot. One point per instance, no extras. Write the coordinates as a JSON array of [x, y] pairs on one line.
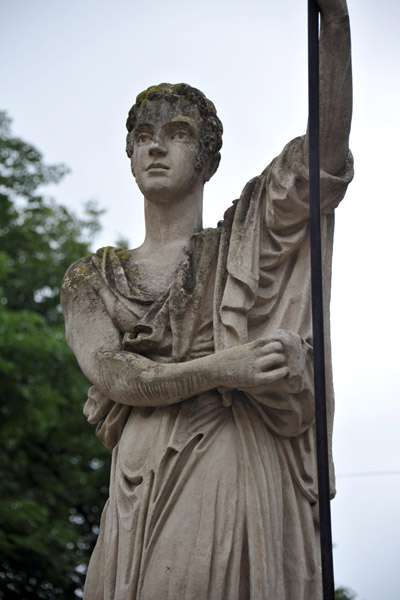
[[317, 304]]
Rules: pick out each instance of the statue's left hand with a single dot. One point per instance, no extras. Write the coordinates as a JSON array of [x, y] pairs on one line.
[[335, 91], [333, 9]]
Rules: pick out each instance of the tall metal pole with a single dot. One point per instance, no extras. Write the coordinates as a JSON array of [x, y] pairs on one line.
[[317, 305]]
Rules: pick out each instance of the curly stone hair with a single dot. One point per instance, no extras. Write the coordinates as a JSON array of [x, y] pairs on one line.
[[184, 95]]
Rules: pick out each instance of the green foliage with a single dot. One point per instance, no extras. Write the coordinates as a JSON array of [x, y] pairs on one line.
[[122, 243], [40, 238], [53, 471], [343, 593]]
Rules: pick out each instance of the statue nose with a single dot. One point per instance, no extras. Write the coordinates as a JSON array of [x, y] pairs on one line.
[[157, 146]]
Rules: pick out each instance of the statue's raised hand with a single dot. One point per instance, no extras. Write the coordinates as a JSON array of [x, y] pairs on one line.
[[333, 9]]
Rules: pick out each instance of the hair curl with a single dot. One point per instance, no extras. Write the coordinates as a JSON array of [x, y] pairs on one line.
[[211, 129]]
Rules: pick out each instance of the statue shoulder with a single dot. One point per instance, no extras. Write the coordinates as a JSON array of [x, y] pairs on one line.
[[80, 274], [83, 274]]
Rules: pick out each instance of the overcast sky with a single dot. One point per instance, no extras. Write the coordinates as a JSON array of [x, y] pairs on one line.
[[71, 70]]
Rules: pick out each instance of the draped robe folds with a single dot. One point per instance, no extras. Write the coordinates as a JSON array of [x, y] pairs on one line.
[[214, 497]]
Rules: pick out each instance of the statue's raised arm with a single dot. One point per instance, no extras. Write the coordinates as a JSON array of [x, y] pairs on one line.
[[335, 85]]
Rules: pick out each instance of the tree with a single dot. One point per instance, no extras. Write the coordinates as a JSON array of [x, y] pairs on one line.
[[53, 471], [343, 593]]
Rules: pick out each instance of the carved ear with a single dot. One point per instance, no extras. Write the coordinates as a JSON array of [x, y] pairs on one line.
[[211, 167]]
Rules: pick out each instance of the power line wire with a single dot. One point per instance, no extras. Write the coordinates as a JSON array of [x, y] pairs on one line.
[[368, 474]]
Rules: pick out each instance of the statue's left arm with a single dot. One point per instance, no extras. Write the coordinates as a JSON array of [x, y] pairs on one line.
[[335, 86], [286, 179]]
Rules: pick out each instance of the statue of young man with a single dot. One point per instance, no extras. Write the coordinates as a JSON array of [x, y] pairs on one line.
[[198, 345]]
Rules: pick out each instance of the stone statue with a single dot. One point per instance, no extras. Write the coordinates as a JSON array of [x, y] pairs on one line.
[[199, 348]]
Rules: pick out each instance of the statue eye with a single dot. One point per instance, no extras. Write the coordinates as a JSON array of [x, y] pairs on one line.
[[180, 135], [143, 138]]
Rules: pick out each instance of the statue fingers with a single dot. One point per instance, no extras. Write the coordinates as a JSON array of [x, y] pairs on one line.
[[270, 361], [275, 374]]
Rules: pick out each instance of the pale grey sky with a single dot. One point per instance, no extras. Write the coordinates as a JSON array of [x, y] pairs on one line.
[[69, 74]]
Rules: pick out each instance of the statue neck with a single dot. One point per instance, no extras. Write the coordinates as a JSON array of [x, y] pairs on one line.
[[171, 224]]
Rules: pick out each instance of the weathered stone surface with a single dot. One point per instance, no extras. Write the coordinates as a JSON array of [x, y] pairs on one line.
[[198, 345]]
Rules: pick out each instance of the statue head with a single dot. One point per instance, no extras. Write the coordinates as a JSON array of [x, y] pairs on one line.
[[183, 97]]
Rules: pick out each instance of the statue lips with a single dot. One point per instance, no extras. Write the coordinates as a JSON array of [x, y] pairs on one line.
[[157, 166]]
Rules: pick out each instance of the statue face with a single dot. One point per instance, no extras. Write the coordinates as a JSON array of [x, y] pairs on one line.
[[166, 145]]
